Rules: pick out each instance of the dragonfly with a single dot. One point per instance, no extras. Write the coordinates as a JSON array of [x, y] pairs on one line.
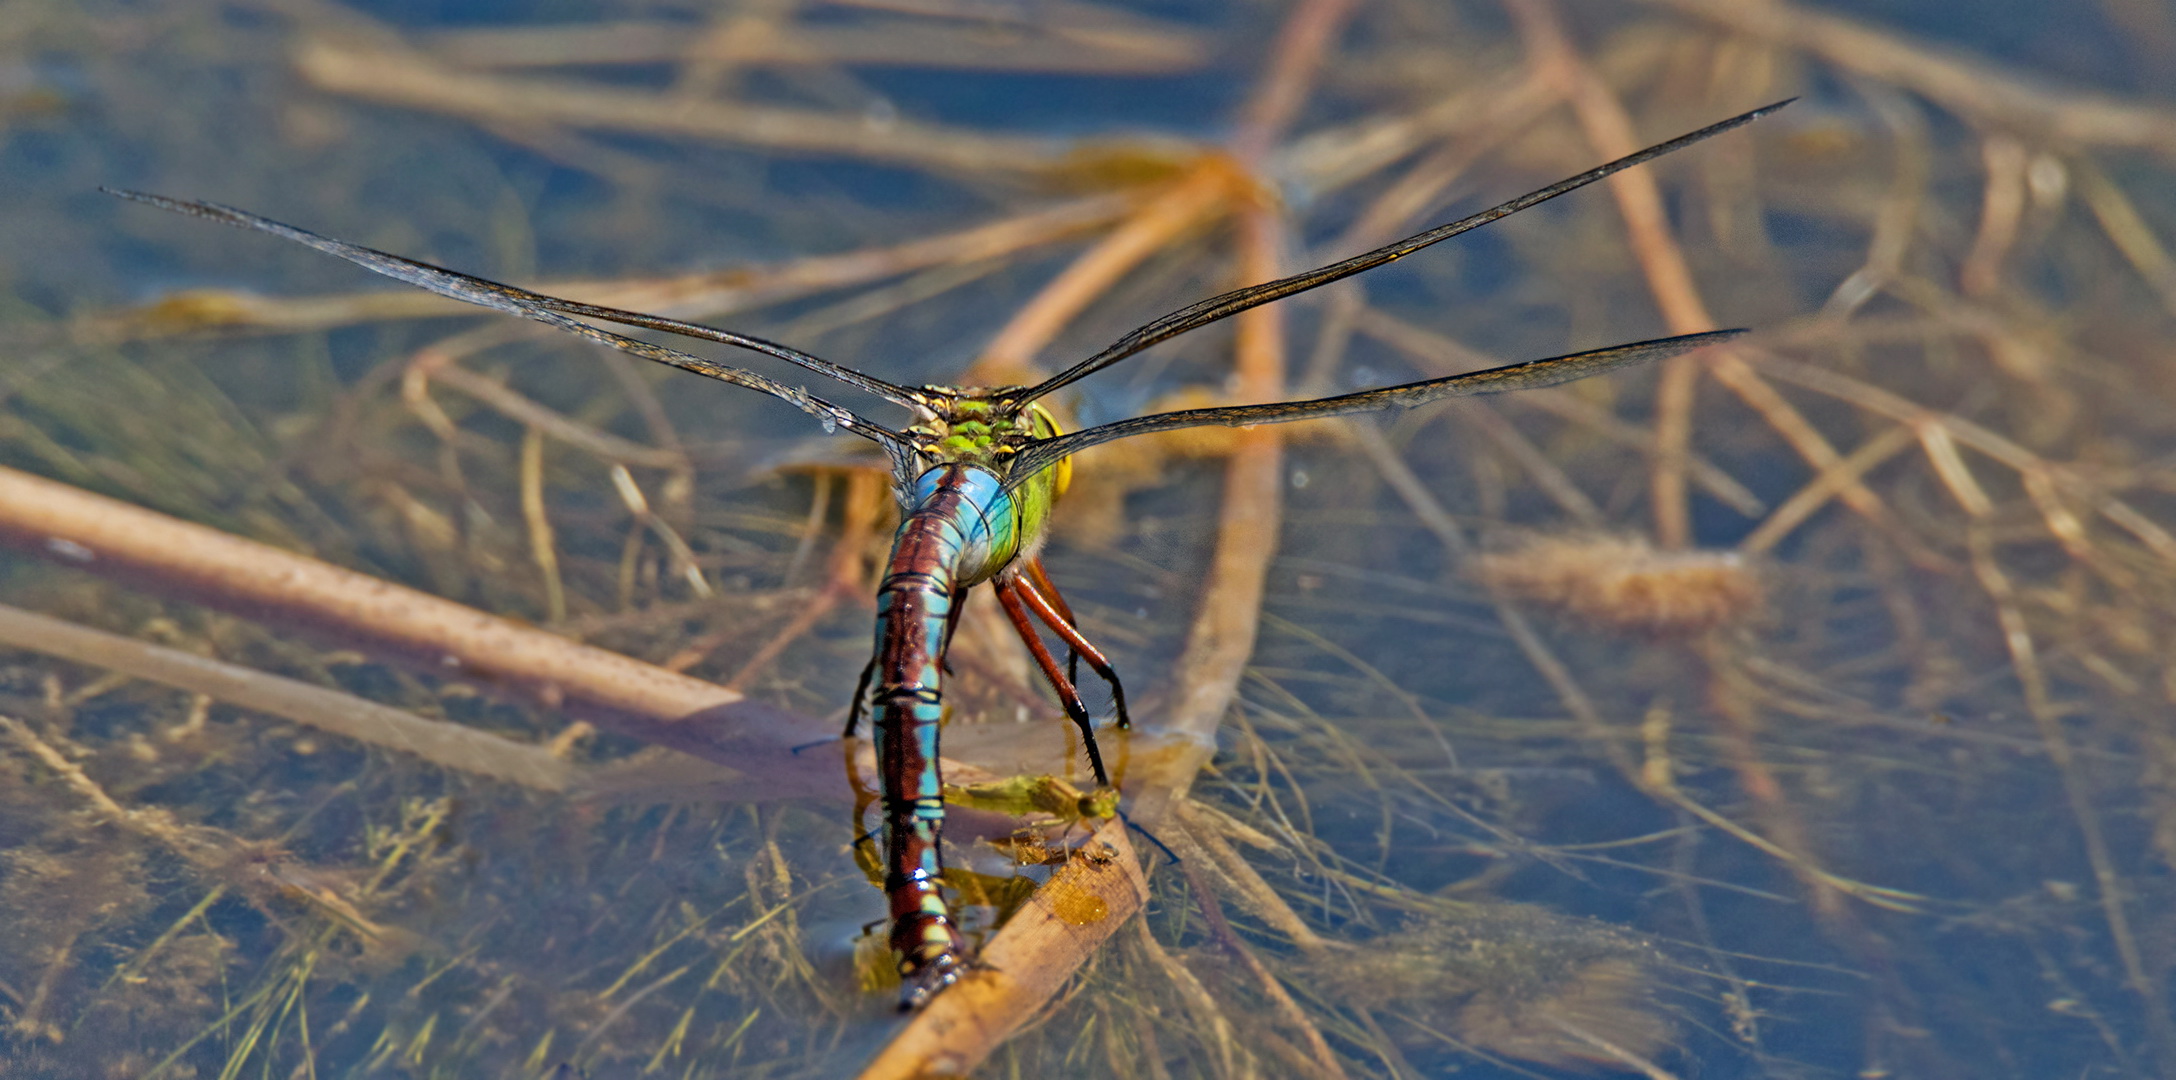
[[975, 474]]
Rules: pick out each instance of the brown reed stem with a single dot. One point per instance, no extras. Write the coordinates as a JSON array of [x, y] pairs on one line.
[[446, 745], [140, 547]]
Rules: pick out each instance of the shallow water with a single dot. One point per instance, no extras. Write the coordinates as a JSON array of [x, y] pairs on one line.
[[1892, 799]]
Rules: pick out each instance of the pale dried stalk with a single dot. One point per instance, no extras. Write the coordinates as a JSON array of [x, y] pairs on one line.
[[1295, 59], [1825, 485], [1639, 203], [1639, 200], [1967, 87], [1545, 474], [1280, 999], [715, 292], [545, 421], [1896, 216], [1574, 698], [2002, 204], [1948, 464], [1663, 262], [1397, 209], [543, 548], [1657, 778], [1198, 841], [412, 81], [200, 847], [845, 580], [2129, 232], [1231, 1060], [1189, 204], [1043, 49], [1221, 639], [1955, 430]]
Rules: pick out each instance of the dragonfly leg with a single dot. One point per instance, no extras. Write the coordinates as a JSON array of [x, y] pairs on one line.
[[1009, 589], [1041, 581], [1047, 605], [951, 623], [861, 698]]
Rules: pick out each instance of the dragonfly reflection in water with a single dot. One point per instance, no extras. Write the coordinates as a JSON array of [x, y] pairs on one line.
[[975, 475]]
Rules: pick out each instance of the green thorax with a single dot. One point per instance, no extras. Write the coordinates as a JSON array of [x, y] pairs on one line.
[[981, 428]]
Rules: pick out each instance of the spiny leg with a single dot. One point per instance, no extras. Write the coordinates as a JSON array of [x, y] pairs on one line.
[[1045, 602], [1008, 594], [861, 698], [1041, 581], [952, 624]]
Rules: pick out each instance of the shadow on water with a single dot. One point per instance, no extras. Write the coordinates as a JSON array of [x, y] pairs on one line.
[[1795, 711]]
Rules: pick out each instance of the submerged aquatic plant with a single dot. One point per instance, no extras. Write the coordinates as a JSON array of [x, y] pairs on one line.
[[1508, 980], [1621, 584]]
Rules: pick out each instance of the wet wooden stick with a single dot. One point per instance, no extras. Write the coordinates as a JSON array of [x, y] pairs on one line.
[[114, 539], [1025, 965], [441, 743]]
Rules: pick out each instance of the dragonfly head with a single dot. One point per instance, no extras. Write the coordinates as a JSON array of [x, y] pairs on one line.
[[984, 427]]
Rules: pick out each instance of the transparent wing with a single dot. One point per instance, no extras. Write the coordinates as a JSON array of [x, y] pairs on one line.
[[1238, 300], [1531, 375], [554, 312]]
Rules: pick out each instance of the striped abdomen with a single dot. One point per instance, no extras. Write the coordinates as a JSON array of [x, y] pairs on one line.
[[960, 531]]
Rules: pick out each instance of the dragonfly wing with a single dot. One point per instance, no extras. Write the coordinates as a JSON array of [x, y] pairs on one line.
[[1530, 375], [896, 394], [1238, 300], [550, 310]]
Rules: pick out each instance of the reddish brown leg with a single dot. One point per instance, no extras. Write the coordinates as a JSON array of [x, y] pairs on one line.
[[1041, 581], [951, 625], [1009, 592], [1051, 608]]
